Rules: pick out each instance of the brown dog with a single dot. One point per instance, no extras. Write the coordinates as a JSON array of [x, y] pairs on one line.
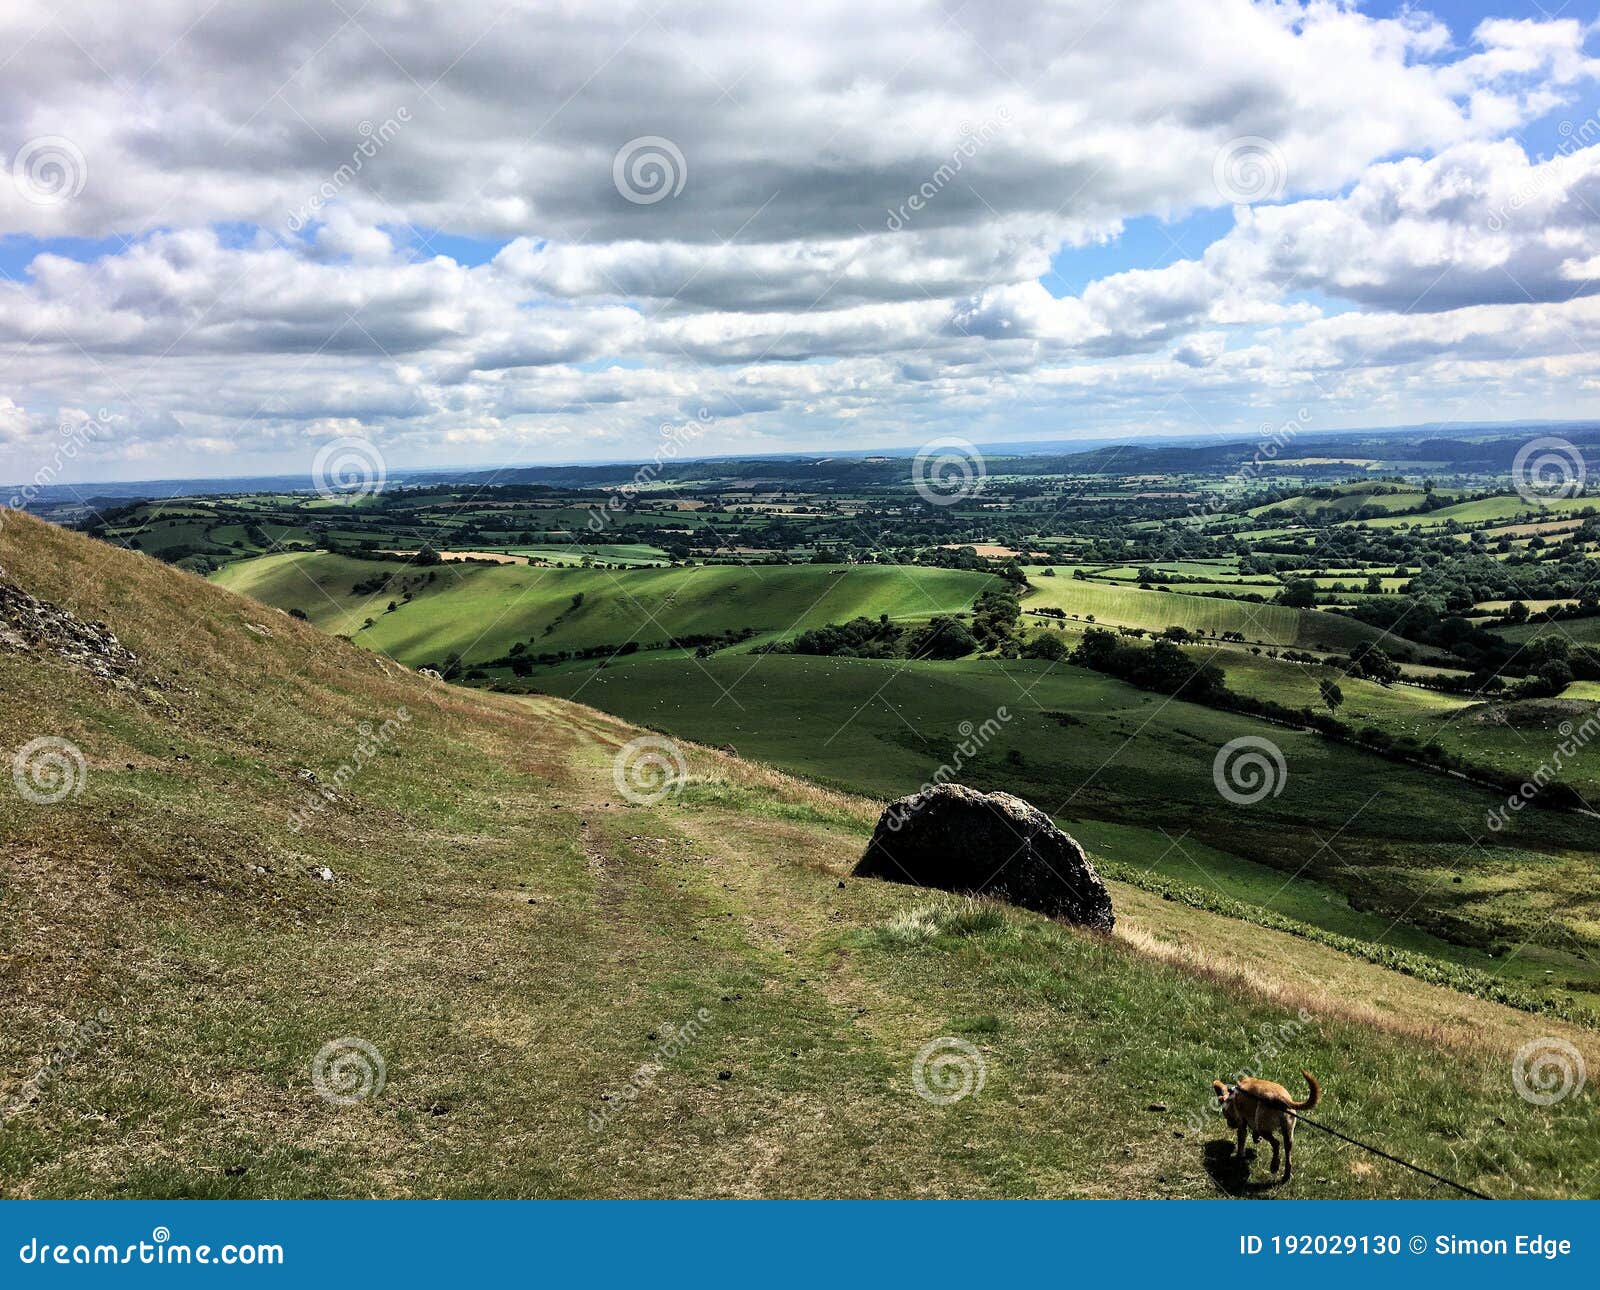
[[1265, 1110]]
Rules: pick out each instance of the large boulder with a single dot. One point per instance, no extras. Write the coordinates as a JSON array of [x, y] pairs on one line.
[[987, 844]]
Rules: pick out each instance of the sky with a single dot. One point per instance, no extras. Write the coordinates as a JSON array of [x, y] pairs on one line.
[[233, 236]]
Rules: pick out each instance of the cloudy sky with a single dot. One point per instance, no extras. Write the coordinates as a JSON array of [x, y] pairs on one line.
[[487, 233]]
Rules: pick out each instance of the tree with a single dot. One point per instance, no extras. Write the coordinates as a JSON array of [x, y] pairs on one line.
[[1332, 695], [1298, 593], [944, 637], [1047, 645], [1516, 612]]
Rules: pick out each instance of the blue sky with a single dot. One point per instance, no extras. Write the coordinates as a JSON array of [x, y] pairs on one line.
[[543, 238]]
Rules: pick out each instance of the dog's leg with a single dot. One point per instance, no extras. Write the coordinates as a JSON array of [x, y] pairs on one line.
[[1273, 1139], [1239, 1149], [1288, 1148]]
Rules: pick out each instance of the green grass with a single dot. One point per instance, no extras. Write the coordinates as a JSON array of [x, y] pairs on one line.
[[1089, 748], [1158, 610], [516, 943], [481, 611]]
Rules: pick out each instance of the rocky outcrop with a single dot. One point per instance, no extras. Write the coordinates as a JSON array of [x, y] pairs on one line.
[[987, 844], [31, 625]]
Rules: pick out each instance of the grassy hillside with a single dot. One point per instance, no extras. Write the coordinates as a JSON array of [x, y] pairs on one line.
[[481, 611], [1158, 610], [1384, 837], [515, 943]]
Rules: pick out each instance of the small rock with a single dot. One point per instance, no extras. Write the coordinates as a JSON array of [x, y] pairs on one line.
[[1156, 1106], [724, 1074], [235, 1171], [321, 873]]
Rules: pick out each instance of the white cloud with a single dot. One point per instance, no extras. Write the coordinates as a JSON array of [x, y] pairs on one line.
[[871, 199]]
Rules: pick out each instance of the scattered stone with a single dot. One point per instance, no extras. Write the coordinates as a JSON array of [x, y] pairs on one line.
[[957, 839], [321, 872], [235, 1171], [724, 1074], [29, 625], [1156, 1106]]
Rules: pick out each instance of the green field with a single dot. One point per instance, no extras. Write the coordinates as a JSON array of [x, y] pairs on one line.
[[1274, 625], [1090, 748], [512, 937], [480, 611]]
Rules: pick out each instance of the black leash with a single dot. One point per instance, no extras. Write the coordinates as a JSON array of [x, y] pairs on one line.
[[1427, 1173]]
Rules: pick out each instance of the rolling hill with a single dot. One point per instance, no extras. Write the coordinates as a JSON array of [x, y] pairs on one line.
[[1275, 625], [480, 611], [276, 844]]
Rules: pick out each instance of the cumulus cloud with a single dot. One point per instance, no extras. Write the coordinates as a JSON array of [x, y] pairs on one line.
[[412, 221]]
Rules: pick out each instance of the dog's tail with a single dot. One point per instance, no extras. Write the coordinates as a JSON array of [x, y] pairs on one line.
[[1316, 1094]]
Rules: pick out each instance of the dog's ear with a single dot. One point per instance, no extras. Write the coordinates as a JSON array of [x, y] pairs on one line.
[[1220, 1089]]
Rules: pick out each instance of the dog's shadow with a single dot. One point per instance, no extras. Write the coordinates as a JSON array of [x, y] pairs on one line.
[[1233, 1174]]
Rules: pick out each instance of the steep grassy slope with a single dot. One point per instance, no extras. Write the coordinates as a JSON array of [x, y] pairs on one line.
[[480, 611], [516, 944]]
